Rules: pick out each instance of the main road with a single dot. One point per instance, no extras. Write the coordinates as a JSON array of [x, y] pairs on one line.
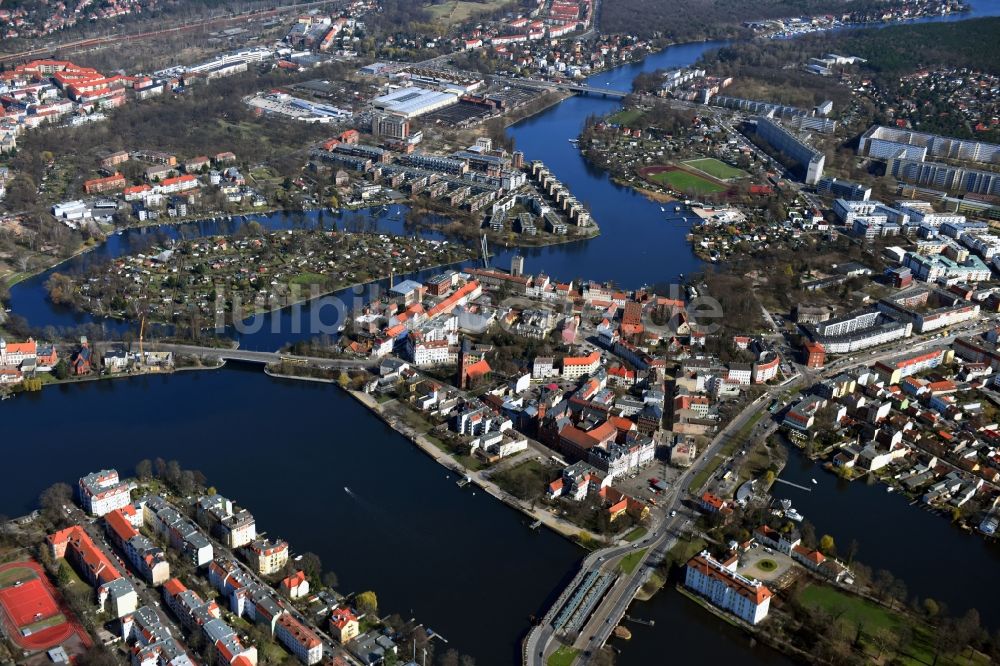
[[672, 518]]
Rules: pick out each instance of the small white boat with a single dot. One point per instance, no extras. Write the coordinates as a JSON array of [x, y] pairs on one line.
[[662, 209], [792, 514], [890, 489], [814, 481], [347, 490]]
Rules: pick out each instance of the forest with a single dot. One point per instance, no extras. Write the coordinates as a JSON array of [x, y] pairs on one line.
[[891, 52]]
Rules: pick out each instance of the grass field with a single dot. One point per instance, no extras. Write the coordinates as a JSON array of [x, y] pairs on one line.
[[52, 621], [9, 576], [684, 181], [308, 279], [631, 561], [459, 11], [625, 117], [564, 656], [854, 611], [636, 534], [715, 168]]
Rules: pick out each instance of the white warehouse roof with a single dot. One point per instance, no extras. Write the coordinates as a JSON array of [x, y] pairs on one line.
[[413, 101]]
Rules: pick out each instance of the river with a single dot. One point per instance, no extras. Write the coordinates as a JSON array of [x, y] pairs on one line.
[[287, 450]]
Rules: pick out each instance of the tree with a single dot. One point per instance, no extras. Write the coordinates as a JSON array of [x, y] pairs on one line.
[[311, 566], [144, 469], [63, 576], [330, 580], [931, 608], [449, 658], [97, 656], [61, 369], [769, 478], [827, 545], [367, 602], [53, 499]]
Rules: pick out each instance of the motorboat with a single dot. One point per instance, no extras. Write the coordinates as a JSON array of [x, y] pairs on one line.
[[792, 514]]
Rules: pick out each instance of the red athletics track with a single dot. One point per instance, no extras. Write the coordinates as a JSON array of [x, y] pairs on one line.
[[33, 601]]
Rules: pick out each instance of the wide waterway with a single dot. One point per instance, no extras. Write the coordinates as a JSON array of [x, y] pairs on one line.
[[464, 564]]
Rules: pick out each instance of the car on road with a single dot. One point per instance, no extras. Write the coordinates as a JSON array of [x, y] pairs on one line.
[[673, 513]]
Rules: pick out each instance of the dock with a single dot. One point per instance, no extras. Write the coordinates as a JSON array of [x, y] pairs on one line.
[[463, 482], [535, 525], [794, 485], [639, 620]]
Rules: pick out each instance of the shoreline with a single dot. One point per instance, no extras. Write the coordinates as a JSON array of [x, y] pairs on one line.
[[557, 525]]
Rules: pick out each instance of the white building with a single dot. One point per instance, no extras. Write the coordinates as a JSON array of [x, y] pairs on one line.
[[102, 492], [746, 599], [428, 353]]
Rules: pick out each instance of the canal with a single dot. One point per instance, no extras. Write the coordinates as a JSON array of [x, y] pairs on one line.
[[462, 563]]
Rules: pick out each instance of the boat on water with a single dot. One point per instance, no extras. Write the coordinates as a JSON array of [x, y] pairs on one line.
[[792, 514], [890, 489], [662, 209], [815, 481], [989, 525], [347, 490]]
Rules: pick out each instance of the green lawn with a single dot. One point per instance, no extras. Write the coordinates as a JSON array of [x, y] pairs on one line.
[[714, 167], [10, 576], [631, 561], [636, 534], [683, 181], [854, 611], [625, 117], [850, 608], [460, 11], [767, 565], [308, 278], [564, 656], [53, 621]]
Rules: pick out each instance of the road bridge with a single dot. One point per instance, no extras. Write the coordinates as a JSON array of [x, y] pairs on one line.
[[249, 356]]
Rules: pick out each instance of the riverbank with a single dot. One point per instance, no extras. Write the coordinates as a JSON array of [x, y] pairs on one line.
[[557, 525]]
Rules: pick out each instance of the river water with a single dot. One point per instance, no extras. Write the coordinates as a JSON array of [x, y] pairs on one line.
[[287, 450]]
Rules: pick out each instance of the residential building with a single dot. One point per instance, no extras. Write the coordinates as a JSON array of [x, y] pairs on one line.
[[265, 556], [747, 599], [231, 525], [146, 558], [295, 586], [344, 625], [574, 367], [115, 593], [102, 492], [787, 143], [299, 639], [183, 534]]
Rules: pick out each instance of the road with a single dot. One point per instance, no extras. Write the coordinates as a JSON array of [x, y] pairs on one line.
[[251, 356], [542, 640]]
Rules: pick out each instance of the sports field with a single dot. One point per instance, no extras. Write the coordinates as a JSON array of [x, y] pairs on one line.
[[715, 168], [30, 613], [680, 180]]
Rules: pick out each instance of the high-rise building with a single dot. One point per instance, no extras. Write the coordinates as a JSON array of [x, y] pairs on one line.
[[517, 265], [810, 159]]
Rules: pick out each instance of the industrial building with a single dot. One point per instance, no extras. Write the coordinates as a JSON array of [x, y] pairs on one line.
[[413, 102]]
